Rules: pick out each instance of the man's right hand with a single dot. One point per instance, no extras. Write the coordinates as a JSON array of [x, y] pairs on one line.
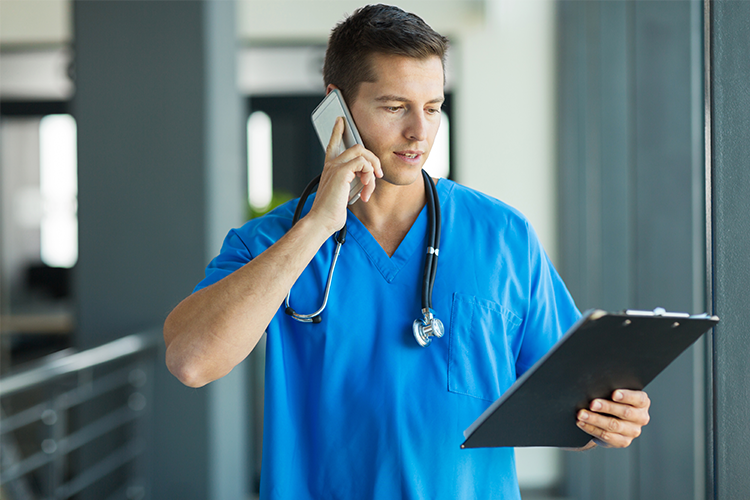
[[339, 171]]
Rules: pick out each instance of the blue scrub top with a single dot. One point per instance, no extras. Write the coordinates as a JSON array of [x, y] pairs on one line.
[[354, 407]]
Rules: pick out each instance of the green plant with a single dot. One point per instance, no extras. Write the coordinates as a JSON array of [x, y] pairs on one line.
[[277, 198]]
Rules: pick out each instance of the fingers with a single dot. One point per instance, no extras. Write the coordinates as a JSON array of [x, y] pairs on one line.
[[616, 423], [368, 179], [610, 431], [627, 405], [356, 162], [345, 165], [362, 162], [638, 399], [339, 171]]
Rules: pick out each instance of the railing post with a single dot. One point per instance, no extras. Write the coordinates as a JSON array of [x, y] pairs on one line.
[[140, 402]]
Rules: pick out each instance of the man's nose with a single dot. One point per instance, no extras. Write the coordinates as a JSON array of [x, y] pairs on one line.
[[416, 126]]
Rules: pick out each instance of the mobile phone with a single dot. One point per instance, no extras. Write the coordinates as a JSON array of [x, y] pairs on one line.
[[324, 118]]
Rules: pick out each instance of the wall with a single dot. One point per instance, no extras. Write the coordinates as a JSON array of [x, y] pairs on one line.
[[35, 23], [729, 151], [505, 110], [19, 203], [301, 21]]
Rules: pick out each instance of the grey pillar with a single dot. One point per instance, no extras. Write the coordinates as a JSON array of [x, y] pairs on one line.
[[160, 183], [632, 205], [729, 35]]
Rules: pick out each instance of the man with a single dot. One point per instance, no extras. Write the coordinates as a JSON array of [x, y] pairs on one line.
[[355, 408]]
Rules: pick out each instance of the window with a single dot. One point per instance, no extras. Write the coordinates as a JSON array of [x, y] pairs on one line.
[[259, 161], [58, 187], [438, 164]]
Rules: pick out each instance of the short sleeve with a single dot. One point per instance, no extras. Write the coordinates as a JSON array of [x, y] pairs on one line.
[[234, 254], [551, 309]]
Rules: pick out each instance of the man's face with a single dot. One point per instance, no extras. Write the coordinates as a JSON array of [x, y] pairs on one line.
[[398, 114]]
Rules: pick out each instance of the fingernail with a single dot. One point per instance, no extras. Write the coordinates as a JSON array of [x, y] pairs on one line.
[[596, 405], [617, 396], [583, 416], [580, 424]]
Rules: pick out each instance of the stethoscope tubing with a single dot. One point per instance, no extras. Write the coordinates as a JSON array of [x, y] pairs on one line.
[[433, 241], [315, 317], [340, 239], [423, 329]]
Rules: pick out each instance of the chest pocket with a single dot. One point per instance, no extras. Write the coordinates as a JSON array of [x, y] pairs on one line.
[[483, 347]]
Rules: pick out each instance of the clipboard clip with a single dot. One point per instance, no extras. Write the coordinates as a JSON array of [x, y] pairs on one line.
[[659, 311]]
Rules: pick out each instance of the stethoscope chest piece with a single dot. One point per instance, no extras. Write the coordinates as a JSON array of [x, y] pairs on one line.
[[427, 327]]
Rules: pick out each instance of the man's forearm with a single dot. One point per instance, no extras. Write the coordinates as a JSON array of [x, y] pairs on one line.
[[214, 329]]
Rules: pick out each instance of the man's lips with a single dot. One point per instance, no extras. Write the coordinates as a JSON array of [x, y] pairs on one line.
[[409, 155]]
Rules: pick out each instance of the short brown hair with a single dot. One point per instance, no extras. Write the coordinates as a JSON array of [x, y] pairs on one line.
[[376, 29]]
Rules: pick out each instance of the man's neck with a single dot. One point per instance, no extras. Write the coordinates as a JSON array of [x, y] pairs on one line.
[[391, 212]]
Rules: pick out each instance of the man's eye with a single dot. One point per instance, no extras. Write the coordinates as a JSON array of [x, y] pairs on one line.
[[393, 108]]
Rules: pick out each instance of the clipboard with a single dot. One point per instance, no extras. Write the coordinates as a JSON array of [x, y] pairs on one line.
[[602, 352]]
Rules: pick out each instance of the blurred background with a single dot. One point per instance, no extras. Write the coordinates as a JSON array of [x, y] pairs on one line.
[[135, 134]]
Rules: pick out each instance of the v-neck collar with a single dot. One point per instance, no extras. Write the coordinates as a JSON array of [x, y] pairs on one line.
[[414, 240]]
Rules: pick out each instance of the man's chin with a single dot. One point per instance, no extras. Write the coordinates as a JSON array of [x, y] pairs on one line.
[[402, 177]]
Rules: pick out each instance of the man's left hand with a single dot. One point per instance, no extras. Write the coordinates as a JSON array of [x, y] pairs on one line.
[[615, 423]]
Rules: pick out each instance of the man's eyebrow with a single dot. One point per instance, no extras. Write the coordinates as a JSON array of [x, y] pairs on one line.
[[392, 98]]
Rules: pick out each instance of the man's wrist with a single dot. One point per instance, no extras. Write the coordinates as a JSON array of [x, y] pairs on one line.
[[315, 227]]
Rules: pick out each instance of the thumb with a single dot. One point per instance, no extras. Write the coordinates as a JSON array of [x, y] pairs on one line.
[[337, 136]]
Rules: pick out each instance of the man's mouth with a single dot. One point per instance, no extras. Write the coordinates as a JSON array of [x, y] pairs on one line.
[[409, 155]]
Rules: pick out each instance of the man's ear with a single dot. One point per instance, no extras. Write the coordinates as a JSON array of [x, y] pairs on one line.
[[330, 87]]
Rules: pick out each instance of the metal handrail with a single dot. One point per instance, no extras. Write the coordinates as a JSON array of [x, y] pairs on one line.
[[117, 349], [134, 356]]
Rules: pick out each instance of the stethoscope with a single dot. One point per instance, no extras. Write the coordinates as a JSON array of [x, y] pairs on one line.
[[427, 327]]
